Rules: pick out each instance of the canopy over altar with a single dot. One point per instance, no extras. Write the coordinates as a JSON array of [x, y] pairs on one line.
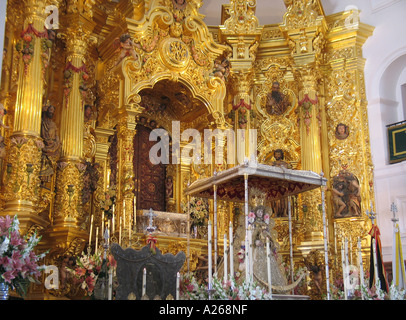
[[275, 182]]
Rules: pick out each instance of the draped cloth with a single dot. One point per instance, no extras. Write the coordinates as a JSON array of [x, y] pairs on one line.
[[375, 234]]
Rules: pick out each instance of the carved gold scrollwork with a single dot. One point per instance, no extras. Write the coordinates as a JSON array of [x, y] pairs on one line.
[[175, 53]]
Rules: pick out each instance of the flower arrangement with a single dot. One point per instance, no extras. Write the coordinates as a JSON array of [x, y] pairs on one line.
[[87, 270], [18, 262], [199, 211], [364, 292], [190, 289], [107, 202]]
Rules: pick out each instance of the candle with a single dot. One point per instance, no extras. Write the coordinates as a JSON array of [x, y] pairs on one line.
[[97, 239], [350, 250], [268, 258], [102, 227], [119, 232], [335, 238], [231, 241], [110, 291], [210, 253], [91, 231], [247, 267], [144, 282], [361, 268], [343, 268], [135, 212], [108, 227], [177, 285], [250, 261], [124, 213], [113, 221], [225, 258]]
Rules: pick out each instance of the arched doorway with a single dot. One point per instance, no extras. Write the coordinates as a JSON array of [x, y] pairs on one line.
[[149, 178]]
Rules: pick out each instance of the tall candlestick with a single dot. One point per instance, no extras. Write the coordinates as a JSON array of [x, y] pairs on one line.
[[215, 227], [110, 290], [250, 264], [343, 269], [350, 248], [144, 282], [102, 224], [361, 268], [119, 230], [210, 253], [268, 259], [247, 267], [225, 258], [135, 213], [97, 240], [125, 218], [113, 228], [177, 285], [231, 241], [108, 227], [91, 231]]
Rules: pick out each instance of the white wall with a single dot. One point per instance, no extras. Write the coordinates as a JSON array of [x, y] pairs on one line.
[[385, 72]]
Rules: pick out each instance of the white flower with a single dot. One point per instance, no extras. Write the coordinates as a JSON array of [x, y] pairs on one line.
[[4, 246]]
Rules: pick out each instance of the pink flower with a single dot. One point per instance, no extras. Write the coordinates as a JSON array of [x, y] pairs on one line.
[[90, 283], [5, 224], [15, 239], [8, 276], [80, 272], [6, 262], [251, 215]]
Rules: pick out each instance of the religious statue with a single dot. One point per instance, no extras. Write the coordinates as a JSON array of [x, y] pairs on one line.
[[276, 102], [279, 159], [346, 195], [262, 229], [90, 178], [280, 206], [169, 187], [49, 133], [126, 46], [3, 112], [52, 143], [342, 131]]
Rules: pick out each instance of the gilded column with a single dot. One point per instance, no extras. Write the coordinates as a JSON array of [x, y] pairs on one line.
[[304, 28], [24, 158], [126, 199], [68, 207], [243, 33]]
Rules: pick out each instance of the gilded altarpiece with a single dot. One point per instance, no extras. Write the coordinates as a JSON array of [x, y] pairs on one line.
[[156, 63]]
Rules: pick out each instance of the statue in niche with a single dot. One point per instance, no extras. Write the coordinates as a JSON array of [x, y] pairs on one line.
[[279, 159], [169, 187], [3, 112], [52, 144], [280, 206], [342, 131], [276, 102], [90, 178], [346, 195]]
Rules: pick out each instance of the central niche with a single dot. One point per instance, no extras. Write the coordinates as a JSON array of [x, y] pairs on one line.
[[166, 102]]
